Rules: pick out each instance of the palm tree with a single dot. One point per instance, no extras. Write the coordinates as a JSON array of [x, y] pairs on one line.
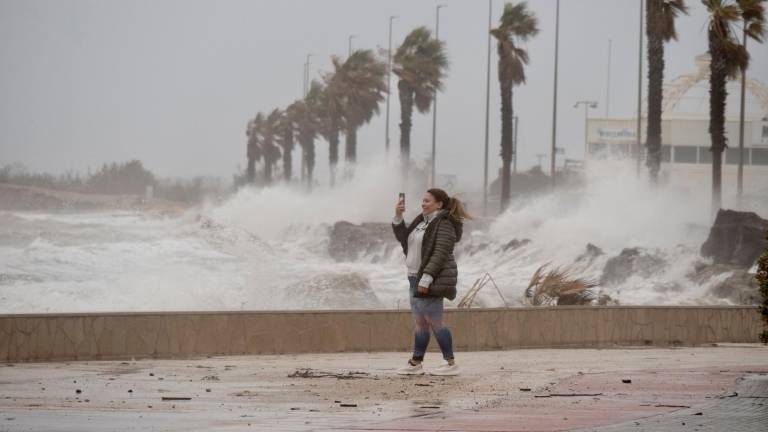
[[363, 77], [516, 25], [269, 131], [728, 57], [420, 64], [660, 28], [253, 150], [332, 114], [286, 126], [308, 124]]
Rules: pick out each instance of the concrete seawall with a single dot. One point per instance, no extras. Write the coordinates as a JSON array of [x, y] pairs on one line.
[[95, 336]]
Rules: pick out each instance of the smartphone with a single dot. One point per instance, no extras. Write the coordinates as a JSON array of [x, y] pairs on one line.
[[402, 197]]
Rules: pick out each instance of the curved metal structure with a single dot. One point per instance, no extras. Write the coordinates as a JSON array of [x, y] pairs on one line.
[[678, 87]]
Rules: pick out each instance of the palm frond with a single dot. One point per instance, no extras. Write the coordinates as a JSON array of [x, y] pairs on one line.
[[421, 63], [558, 287], [517, 25]]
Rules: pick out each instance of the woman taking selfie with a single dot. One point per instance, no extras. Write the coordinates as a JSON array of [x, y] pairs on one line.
[[428, 246]]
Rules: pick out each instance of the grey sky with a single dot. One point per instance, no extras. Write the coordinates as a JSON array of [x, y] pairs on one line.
[[173, 82]]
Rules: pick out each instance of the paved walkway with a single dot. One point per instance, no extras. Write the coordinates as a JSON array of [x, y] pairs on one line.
[[744, 410], [522, 390]]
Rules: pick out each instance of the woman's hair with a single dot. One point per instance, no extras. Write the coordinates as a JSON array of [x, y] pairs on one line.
[[454, 206]]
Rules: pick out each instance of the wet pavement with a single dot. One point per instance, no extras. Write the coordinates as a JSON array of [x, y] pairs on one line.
[[522, 390]]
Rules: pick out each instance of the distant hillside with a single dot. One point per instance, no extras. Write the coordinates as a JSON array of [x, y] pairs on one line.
[[15, 197]]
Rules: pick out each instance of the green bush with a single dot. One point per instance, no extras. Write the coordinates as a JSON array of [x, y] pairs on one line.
[[762, 281]]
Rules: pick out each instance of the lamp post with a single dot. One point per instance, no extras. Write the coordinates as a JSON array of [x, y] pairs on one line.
[[434, 101], [349, 48], [639, 90], [553, 150], [608, 82], [389, 79], [587, 105]]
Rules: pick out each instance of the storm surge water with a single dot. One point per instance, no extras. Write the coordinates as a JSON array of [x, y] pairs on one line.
[[267, 249]]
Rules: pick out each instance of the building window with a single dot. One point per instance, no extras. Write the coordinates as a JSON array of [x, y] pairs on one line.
[[666, 153], [597, 150], [685, 154], [705, 156], [620, 151], [759, 156], [732, 156]]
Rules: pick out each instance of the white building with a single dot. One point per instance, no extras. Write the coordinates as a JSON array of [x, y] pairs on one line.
[[686, 159]]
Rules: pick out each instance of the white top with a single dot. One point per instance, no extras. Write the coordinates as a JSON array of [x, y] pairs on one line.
[[413, 258]]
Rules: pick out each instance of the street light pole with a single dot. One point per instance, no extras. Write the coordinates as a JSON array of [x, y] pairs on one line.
[[553, 150], [389, 79], [434, 101], [608, 82], [487, 111], [349, 49], [640, 90]]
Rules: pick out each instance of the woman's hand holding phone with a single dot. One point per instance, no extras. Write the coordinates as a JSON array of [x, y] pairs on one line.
[[400, 207]]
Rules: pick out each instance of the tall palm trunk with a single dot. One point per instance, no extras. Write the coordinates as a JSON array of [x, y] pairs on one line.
[[310, 159], [655, 94], [308, 154], [406, 111], [268, 161], [251, 171], [267, 172], [333, 151], [350, 152], [506, 141], [351, 145], [718, 73], [287, 155]]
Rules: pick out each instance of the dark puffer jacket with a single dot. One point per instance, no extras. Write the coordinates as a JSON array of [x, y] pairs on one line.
[[437, 258]]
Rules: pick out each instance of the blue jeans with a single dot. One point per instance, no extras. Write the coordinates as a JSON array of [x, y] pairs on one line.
[[428, 314]]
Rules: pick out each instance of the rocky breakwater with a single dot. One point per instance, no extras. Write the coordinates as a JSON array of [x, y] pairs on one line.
[[367, 241], [735, 242], [333, 291]]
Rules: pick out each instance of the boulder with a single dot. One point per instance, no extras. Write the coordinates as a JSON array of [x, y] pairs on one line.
[[732, 283], [736, 238], [350, 242], [589, 254], [631, 261], [332, 291], [515, 244]]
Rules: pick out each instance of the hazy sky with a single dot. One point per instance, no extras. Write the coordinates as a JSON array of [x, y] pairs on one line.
[[174, 82]]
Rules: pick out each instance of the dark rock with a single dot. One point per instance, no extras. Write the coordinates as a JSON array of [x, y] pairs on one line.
[[333, 290], [736, 238], [590, 254], [515, 244], [631, 261], [479, 248], [739, 288], [350, 242]]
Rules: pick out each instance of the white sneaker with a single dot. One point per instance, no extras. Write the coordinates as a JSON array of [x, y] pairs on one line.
[[410, 369], [445, 369]]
